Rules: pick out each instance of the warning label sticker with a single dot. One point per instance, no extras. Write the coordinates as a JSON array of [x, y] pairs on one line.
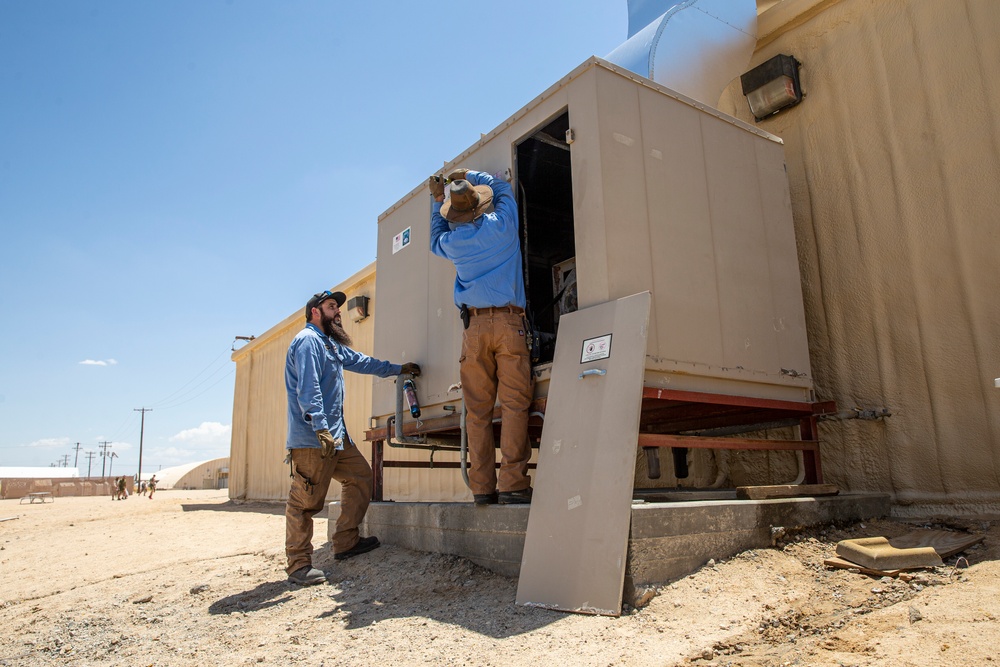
[[596, 348]]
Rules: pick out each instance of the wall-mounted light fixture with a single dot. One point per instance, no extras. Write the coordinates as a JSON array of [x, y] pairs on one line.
[[357, 306], [245, 338], [772, 86]]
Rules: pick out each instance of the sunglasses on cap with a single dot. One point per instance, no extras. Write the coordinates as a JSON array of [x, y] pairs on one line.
[[323, 296], [318, 298]]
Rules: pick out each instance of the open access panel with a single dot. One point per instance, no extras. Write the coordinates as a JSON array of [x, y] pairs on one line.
[[544, 176], [577, 537]]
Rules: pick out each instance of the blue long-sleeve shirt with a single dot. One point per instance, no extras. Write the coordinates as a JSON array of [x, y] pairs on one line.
[[314, 380], [486, 252]]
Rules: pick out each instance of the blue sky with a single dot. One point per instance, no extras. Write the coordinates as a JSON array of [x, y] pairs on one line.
[[175, 174]]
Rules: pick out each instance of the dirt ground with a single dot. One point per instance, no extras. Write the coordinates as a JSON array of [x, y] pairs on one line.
[[189, 578]]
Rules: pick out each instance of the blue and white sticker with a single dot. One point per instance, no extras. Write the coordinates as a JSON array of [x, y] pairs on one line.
[[400, 240]]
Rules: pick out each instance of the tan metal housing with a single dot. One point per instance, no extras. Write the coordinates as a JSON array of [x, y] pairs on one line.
[[667, 196]]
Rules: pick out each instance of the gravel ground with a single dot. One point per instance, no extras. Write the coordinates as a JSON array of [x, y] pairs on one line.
[[189, 578]]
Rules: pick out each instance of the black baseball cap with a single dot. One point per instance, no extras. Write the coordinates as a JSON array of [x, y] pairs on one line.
[[317, 300]]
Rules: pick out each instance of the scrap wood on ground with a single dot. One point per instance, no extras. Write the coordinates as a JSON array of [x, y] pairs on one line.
[[889, 557]]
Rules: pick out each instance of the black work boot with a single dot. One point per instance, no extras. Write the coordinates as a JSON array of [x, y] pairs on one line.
[[515, 497], [363, 546], [307, 576], [485, 498]]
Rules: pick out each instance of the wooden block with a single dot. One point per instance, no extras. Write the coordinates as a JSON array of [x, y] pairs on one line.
[[877, 553], [785, 491], [842, 564]]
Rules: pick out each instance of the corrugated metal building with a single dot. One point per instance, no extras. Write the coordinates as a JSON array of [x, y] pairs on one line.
[[212, 474], [257, 468]]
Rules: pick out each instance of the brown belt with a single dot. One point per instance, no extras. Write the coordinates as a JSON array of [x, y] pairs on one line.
[[517, 310]]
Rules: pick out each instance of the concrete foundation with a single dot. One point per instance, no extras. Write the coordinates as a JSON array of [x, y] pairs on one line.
[[667, 540]]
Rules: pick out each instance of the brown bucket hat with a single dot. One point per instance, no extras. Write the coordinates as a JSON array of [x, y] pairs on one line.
[[467, 202]]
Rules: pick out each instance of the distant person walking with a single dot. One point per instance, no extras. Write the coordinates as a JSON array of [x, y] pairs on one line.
[[152, 486], [120, 483], [320, 449]]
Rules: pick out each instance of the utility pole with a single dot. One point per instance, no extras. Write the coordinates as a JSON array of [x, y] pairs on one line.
[[90, 459], [104, 446], [64, 461], [113, 456], [77, 457], [142, 430]]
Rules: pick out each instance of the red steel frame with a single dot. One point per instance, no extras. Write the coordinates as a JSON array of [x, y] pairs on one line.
[[666, 413]]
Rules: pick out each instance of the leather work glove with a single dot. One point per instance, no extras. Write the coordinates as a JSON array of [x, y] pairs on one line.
[[436, 184], [410, 368], [326, 442], [458, 175]]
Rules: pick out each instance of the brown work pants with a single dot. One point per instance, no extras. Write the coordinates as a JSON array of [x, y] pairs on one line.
[[311, 475], [495, 364]]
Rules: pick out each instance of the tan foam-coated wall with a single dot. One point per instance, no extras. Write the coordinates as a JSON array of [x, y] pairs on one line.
[[894, 166]]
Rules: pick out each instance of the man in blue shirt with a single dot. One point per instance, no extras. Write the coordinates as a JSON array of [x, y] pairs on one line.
[[477, 229], [320, 449]]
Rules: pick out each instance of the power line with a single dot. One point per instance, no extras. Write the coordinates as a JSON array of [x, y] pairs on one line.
[[111, 462], [188, 400], [167, 398], [124, 426], [142, 429], [104, 446]]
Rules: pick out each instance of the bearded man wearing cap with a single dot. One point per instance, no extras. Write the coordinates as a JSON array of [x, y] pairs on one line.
[[320, 449], [477, 229]]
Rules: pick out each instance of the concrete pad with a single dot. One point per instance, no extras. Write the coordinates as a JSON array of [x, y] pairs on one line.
[[491, 536], [876, 553], [667, 540]]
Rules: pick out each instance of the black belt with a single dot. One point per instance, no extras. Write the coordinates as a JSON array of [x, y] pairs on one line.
[[517, 310]]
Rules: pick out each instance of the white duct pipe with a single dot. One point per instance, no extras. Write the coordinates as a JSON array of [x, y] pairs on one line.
[[695, 48]]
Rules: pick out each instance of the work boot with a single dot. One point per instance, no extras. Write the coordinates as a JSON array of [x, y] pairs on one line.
[[307, 576], [515, 497], [363, 546], [485, 498]]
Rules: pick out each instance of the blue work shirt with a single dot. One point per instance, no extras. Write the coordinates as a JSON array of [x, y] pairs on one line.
[[314, 380], [486, 252]]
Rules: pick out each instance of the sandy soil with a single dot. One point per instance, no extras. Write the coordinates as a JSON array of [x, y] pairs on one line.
[[189, 578]]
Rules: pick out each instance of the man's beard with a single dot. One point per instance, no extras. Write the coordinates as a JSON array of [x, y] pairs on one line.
[[333, 329]]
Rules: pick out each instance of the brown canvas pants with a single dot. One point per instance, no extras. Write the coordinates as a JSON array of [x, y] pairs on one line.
[[495, 364], [311, 475]]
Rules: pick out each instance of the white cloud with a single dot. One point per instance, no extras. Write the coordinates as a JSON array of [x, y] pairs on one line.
[[49, 442], [98, 362], [209, 433]]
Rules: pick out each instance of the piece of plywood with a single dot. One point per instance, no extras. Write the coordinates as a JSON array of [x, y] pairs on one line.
[[945, 542], [785, 491], [577, 536]]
